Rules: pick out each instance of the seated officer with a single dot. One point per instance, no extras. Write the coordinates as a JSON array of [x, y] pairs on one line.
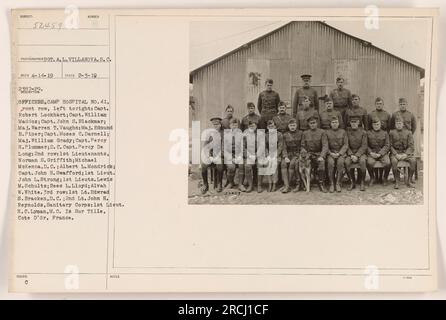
[[212, 155], [356, 152], [304, 114], [401, 148], [233, 140], [292, 140], [378, 149], [328, 114], [282, 118], [314, 142], [337, 147]]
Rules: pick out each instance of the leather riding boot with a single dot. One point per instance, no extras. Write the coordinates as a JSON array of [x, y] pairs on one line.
[[321, 181], [351, 177]]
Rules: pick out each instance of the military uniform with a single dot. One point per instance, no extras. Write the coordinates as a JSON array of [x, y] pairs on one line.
[[357, 112], [281, 121], [337, 143], [225, 122], [249, 117], [401, 142], [300, 94], [267, 104], [378, 142], [326, 117], [342, 99], [292, 141], [409, 121], [382, 115], [357, 146], [304, 115], [315, 143]]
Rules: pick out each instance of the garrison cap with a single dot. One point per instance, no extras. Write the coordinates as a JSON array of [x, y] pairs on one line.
[[399, 119], [402, 100], [312, 118], [292, 120], [333, 118], [375, 120]]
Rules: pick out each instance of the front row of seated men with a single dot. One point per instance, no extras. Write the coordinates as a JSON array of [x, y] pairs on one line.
[[334, 151]]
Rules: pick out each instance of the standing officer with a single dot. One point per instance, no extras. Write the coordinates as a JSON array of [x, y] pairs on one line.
[[306, 113], [402, 148], [282, 119], [229, 112], [409, 121], [381, 114], [314, 141], [378, 149], [306, 90], [356, 152], [251, 116], [342, 97], [267, 103], [357, 110], [337, 147], [292, 140], [328, 114], [212, 156]]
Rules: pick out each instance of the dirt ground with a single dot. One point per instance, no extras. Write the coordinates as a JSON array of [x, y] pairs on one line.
[[374, 195]]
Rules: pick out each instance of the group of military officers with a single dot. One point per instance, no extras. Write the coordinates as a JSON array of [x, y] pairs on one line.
[[338, 140]]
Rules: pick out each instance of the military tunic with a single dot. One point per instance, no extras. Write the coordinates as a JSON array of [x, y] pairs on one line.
[[401, 141], [292, 141], [267, 104], [342, 99], [382, 115], [249, 117], [357, 111], [281, 121], [378, 142], [316, 144], [298, 98], [302, 118], [326, 117], [357, 146], [410, 123], [337, 143], [225, 122]]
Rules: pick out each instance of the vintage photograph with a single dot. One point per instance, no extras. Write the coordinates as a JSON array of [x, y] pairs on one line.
[[307, 112]]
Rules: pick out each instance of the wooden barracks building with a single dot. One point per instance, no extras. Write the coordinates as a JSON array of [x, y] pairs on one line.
[[305, 47]]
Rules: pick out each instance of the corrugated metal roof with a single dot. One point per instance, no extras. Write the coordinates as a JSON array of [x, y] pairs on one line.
[[246, 45]]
